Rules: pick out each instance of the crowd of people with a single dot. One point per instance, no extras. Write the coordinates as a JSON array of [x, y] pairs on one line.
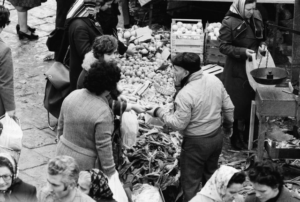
[[206, 110]]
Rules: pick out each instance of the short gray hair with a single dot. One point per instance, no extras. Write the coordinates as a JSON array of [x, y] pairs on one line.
[[65, 166]]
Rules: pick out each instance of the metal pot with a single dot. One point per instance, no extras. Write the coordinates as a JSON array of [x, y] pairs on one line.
[[269, 76]]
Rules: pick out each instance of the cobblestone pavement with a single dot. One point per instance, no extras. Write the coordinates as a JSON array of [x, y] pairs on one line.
[[38, 140]]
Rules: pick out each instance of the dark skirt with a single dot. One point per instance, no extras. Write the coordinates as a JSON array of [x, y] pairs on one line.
[[25, 3]]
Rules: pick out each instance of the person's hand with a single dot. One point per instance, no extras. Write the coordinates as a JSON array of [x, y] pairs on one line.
[[122, 98], [151, 110], [131, 50], [227, 132], [249, 53], [262, 49], [12, 114]]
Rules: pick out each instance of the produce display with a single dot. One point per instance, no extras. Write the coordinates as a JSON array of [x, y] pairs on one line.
[[187, 31], [212, 30], [154, 159]]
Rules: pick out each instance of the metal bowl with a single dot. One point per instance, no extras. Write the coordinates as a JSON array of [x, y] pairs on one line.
[[269, 76]]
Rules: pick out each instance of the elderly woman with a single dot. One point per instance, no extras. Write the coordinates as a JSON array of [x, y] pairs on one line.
[[223, 186], [12, 188], [85, 123], [241, 35], [7, 97], [267, 182]]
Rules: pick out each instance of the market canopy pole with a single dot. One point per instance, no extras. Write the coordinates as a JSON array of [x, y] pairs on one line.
[[296, 43]]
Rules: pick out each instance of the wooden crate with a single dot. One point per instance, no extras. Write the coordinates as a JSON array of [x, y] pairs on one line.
[[187, 43], [212, 54]]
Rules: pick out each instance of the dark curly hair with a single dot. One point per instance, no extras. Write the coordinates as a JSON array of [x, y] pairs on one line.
[[266, 173], [102, 76], [104, 45], [237, 178], [4, 16]]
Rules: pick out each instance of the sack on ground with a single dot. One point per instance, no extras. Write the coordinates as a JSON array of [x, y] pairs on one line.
[[11, 136], [129, 129]]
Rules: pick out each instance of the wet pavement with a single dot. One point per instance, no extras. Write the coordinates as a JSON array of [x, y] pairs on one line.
[[38, 140]]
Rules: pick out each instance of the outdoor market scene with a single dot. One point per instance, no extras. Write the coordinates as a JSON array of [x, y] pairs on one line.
[[149, 101]]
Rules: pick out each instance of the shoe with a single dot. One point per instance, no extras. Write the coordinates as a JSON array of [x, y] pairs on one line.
[[31, 37], [32, 30]]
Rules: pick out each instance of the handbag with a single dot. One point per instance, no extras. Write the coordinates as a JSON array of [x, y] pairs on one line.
[[55, 39], [57, 88]]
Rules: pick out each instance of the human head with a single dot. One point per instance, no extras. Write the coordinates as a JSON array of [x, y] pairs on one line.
[[102, 76], [62, 176], [85, 182], [8, 171], [244, 8], [184, 64], [234, 185], [94, 183], [105, 47], [266, 179], [224, 184], [4, 17]]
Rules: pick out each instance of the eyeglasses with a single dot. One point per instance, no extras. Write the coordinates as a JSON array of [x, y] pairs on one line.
[[6, 177]]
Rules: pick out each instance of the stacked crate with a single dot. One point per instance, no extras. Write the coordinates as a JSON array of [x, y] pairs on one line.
[[187, 42]]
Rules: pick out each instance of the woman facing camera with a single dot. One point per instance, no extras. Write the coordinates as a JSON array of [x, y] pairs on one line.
[[12, 188], [267, 182], [223, 186]]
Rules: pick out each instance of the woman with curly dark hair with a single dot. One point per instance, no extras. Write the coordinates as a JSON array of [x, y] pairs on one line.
[[7, 98], [85, 124], [267, 181]]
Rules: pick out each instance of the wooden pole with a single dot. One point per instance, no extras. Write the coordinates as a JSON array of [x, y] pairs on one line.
[[296, 43]]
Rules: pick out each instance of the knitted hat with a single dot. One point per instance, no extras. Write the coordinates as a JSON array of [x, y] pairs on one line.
[[188, 61]]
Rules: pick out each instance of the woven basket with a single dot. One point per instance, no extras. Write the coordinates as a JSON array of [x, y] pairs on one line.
[[163, 89]]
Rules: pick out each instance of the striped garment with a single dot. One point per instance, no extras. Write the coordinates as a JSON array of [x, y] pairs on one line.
[[82, 8]]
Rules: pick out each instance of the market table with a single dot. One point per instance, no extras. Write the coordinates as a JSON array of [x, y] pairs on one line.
[[270, 101]]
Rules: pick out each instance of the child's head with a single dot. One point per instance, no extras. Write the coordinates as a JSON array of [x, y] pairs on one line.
[[4, 16], [105, 47], [85, 182]]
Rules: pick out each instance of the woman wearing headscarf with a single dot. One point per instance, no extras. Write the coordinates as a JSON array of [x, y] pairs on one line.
[[223, 186], [94, 183], [240, 36], [12, 188], [81, 29]]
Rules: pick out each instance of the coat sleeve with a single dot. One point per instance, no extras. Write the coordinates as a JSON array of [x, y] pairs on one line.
[[227, 109], [82, 40], [104, 145], [182, 115], [7, 80], [121, 48], [226, 42]]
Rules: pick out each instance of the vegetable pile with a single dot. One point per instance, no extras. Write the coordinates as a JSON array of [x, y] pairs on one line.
[[154, 159]]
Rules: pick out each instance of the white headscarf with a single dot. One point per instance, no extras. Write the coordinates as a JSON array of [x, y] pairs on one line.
[[82, 8], [216, 186], [238, 7]]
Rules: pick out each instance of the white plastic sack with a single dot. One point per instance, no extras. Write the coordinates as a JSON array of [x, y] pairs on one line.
[[129, 129], [254, 65], [12, 134], [116, 188], [146, 193]]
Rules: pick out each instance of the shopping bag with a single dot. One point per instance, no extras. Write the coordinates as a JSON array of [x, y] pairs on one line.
[[258, 61], [116, 188], [11, 136], [129, 129]]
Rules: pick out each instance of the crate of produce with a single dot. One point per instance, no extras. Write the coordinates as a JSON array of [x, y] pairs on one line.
[[187, 36], [281, 153], [212, 54]]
